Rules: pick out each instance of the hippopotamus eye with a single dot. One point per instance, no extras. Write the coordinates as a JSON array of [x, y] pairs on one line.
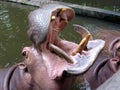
[[25, 53]]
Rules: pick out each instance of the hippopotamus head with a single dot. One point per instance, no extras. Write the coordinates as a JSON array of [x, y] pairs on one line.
[[108, 61], [49, 60], [114, 47]]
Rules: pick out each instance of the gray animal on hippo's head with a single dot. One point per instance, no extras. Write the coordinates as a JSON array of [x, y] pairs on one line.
[[39, 21]]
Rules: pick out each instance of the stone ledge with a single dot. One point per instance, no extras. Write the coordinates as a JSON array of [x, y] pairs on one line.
[[97, 13]]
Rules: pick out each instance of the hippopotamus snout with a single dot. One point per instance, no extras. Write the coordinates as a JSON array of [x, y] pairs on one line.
[[39, 21]]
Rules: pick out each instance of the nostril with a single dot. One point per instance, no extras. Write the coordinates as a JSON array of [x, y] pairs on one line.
[[116, 60]]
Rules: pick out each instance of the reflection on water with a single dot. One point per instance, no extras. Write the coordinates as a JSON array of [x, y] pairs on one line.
[[13, 28]]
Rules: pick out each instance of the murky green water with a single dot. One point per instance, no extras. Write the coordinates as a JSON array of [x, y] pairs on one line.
[[13, 28]]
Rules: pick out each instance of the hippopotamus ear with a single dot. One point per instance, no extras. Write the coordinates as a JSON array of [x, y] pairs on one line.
[[114, 47], [24, 73]]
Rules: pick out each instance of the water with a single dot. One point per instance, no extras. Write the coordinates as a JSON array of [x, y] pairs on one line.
[[13, 37], [13, 27]]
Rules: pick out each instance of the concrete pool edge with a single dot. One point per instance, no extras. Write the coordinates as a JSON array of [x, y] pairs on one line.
[[79, 9]]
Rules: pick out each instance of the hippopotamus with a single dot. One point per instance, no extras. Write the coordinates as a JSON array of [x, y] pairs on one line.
[[108, 61], [49, 63]]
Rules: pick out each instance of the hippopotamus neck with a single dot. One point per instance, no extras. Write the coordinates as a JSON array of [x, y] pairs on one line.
[[43, 69], [40, 74]]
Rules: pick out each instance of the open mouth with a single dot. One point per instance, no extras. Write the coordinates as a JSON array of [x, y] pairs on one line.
[[79, 57], [61, 55]]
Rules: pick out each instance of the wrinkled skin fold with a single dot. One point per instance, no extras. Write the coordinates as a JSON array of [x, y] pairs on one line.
[[50, 58]]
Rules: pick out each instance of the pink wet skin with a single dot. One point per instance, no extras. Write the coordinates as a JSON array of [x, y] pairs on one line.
[[45, 66], [57, 25], [114, 64], [55, 63], [40, 75]]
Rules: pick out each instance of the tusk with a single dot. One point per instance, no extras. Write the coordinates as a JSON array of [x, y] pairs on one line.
[[85, 61], [62, 11], [62, 53], [53, 18], [82, 45], [81, 30]]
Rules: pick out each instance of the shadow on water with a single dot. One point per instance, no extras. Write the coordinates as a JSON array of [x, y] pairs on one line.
[[13, 37]]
